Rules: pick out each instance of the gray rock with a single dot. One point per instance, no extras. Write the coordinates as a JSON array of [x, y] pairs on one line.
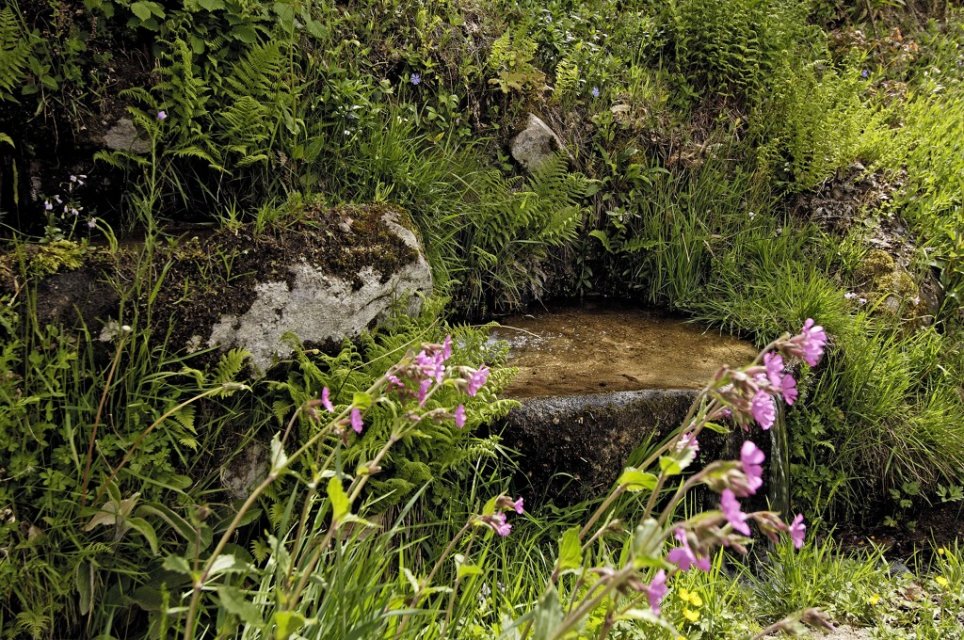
[[574, 447], [535, 144], [323, 275], [321, 304], [124, 136], [243, 472], [319, 307]]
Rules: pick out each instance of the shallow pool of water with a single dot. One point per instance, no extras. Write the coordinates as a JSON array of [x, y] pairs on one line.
[[591, 349]]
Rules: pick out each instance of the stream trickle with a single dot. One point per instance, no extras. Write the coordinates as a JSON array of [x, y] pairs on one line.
[[779, 467]]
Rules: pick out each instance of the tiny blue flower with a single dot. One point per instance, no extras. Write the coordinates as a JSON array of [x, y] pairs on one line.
[[865, 74], [595, 92], [415, 79]]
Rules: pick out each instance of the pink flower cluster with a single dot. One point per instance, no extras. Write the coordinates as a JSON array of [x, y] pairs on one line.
[[751, 392], [497, 521], [417, 378], [745, 394]]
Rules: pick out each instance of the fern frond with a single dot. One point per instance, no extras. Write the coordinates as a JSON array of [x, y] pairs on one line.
[[14, 52], [230, 365]]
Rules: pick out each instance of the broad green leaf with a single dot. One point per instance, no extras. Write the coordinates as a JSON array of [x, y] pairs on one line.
[[361, 400], [286, 623], [227, 563], [177, 564], [548, 615], [339, 499], [234, 602], [141, 9], [467, 569], [647, 541], [670, 466], [278, 456], [145, 528], [570, 550], [489, 508], [636, 480], [211, 5], [84, 581]]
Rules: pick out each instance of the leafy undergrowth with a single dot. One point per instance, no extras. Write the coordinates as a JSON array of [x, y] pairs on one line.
[[752, 163]]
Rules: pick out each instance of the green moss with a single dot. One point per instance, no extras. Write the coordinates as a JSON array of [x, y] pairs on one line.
[[876, 264], [39, 260]]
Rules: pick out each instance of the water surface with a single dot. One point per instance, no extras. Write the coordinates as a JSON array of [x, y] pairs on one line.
[[579, 350]]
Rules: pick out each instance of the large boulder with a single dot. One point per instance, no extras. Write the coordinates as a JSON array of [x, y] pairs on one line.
[[321, 275]]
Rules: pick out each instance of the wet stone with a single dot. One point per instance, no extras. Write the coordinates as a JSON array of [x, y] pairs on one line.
[[597, 385]]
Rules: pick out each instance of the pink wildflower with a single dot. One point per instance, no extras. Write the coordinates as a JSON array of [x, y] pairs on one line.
[[431, 366], [423, 388], [447, 348], [688, 441], [459, 416], [764, 409], [356, 420], [162, 115], [809, 344], [476, 380], [774, 367], [505, 503], [498, 523], [326, 400], [656, 591], [731, 509], [788, 387], [751, 458], [684, 557], [797, 531], [518, 506]]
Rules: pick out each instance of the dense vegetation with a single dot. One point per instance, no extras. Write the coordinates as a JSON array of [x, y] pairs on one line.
[[747, 163]]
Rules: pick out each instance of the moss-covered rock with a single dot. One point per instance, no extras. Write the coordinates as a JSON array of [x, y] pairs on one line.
[[322, 275]]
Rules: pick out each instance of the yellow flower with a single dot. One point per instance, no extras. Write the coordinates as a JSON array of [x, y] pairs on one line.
[[691, 615], [873, 600], [941, 551], [691, 597], [941, 580]]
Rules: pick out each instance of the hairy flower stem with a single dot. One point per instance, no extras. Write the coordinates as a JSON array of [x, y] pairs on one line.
[[686, 486], [450, 610], [588, 604], [100, 412], [357, 485], [598, 513]]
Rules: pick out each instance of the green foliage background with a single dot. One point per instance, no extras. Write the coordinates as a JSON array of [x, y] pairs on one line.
[[701, 136]]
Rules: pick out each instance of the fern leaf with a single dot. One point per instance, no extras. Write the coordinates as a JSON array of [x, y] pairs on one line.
[[14, 52], [230, 365]]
